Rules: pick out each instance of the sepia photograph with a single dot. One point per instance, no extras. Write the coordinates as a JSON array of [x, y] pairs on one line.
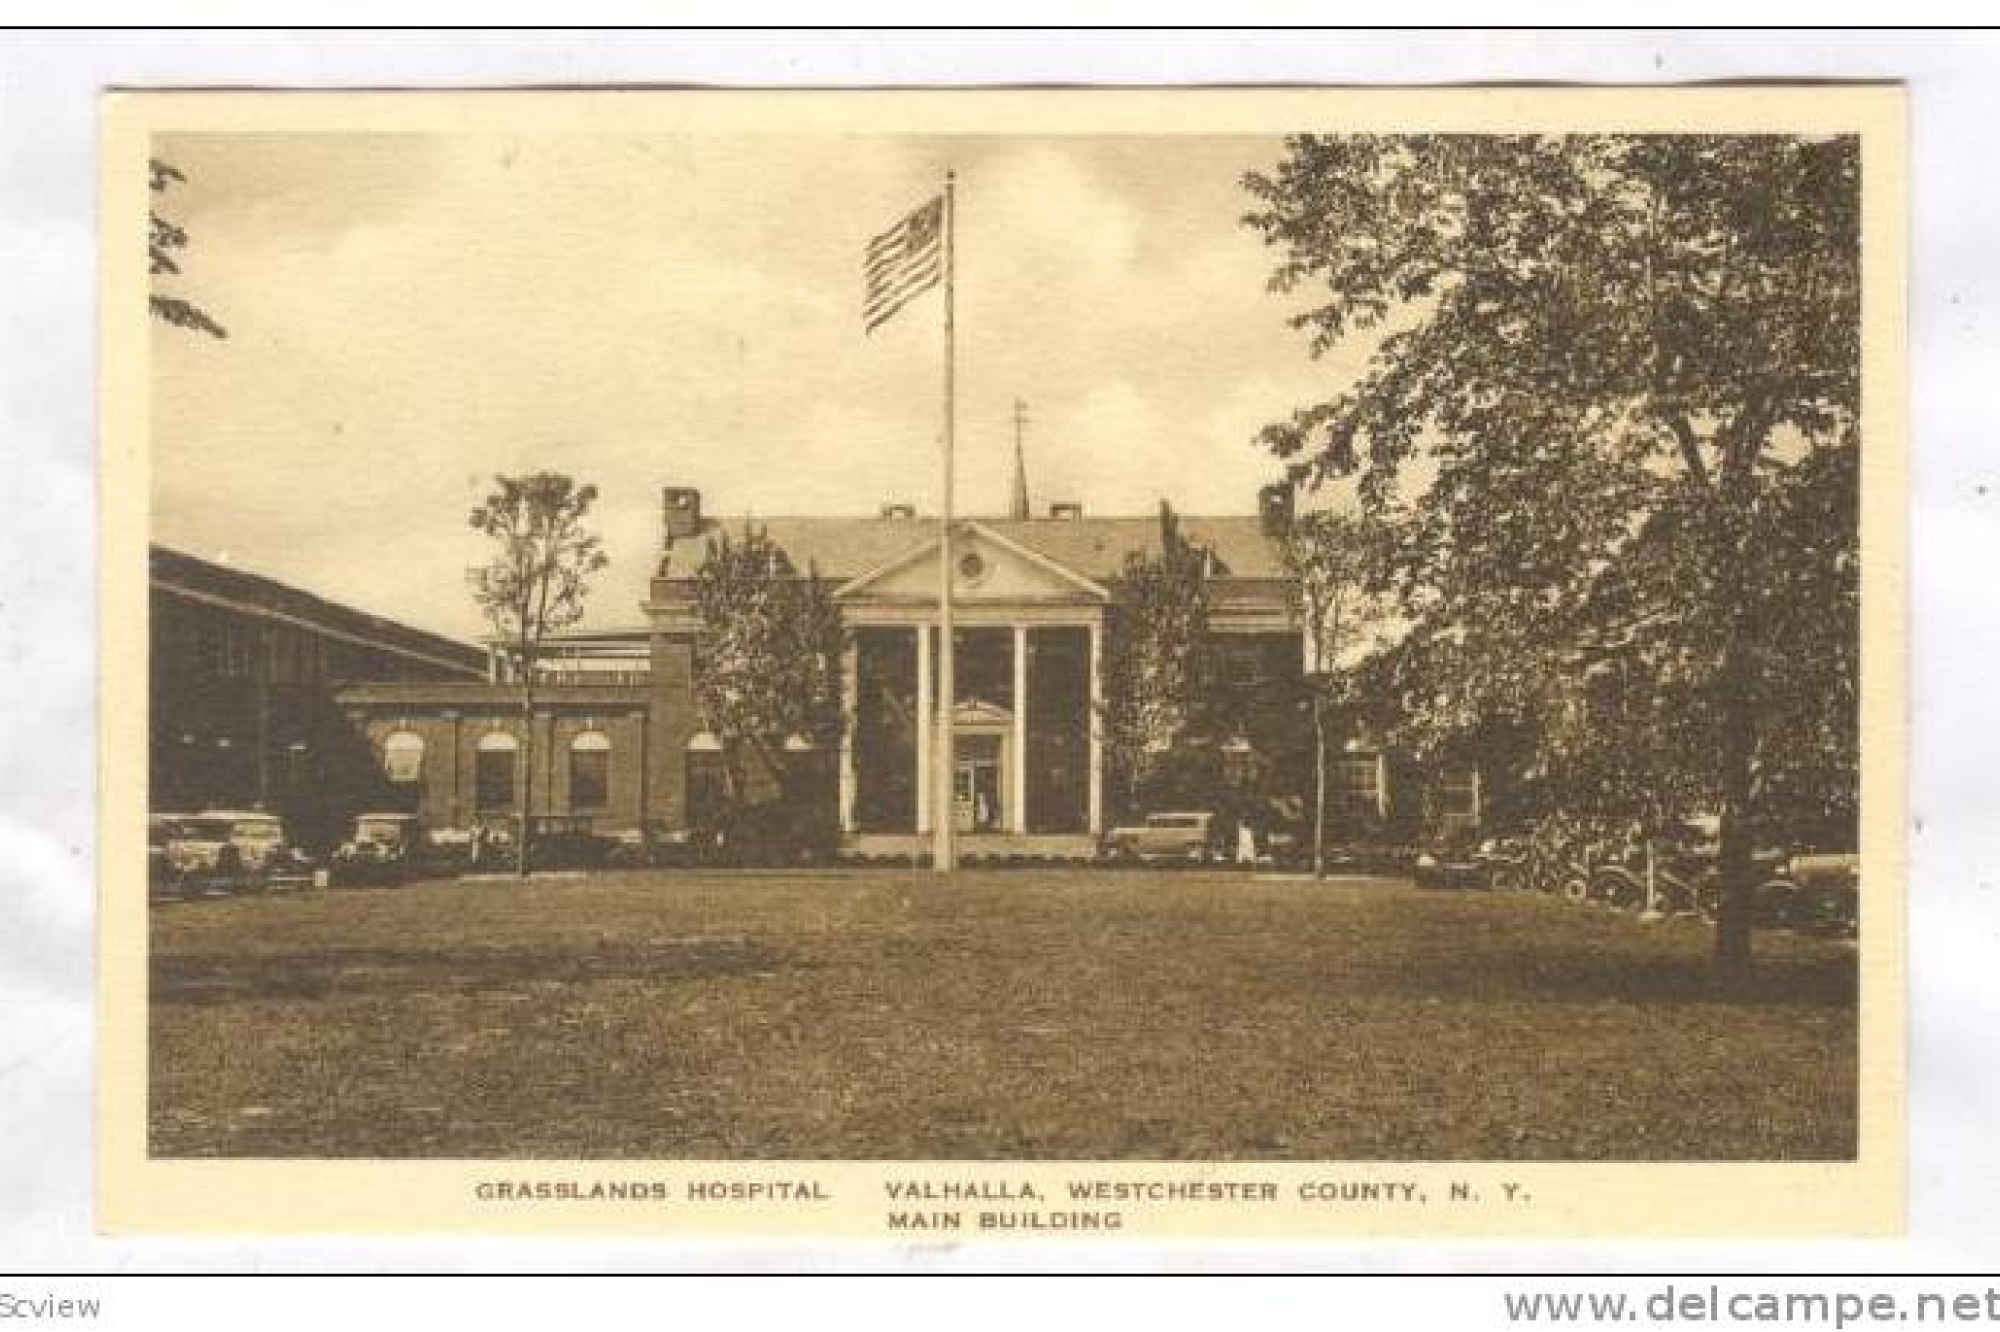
[[1095, 630]]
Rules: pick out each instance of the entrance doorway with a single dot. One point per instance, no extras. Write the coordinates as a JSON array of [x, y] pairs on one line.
[[976, 784]]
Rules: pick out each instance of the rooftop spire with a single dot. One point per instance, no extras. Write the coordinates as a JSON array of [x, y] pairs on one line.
[[1017, 502]]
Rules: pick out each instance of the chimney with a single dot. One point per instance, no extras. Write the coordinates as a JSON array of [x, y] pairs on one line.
[[896, 512], [1274, 509], [1066, 509], [681, 507]]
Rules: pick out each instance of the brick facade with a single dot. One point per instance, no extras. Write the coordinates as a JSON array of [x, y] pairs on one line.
[[452, 721]]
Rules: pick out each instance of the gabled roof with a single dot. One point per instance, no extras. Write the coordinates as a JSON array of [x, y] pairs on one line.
[[1095, 548]]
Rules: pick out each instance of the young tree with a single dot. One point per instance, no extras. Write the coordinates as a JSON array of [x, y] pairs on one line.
[[1613, 352], [1338, 562], [767, 666], [162, 240], [534, 585], [1157, 675]]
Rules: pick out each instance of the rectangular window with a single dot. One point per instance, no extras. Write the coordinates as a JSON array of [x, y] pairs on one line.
[[1354, 785], [1458, 795], [589, 779], [493, 780], [707, 790]]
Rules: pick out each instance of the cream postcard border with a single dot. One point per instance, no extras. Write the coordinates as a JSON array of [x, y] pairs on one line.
[[1609, 1200]]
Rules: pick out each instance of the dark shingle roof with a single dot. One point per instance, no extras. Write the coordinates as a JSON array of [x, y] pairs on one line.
[[177, 571]]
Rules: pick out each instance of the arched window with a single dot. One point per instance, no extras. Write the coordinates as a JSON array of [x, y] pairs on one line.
[[493, 772], [403, 757], [589, 771]]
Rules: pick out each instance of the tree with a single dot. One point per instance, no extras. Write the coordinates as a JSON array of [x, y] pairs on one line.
[[1809, 762], [1432, 698], [767, 665], [1337, 561], [163, 239], [1616, 355], [1158, 674], [534, 585]]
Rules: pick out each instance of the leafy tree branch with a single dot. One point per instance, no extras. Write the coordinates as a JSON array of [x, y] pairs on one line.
[[163, 240]]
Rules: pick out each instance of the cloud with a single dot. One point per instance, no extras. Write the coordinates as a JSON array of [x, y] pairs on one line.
[[410, 314]]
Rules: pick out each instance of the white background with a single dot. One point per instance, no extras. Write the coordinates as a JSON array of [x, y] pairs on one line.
[[48, 86]]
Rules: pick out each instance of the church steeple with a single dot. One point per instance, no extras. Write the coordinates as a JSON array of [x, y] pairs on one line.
[[1017, 501]]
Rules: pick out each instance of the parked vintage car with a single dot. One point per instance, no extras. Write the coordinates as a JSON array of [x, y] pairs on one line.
[[163, 876], [562, 842], [449, 850], [232, 848], [630, 848], [1818, 892], [654, 847], [383, 848], [1176, 835], [1455, 860], [1830, 891]]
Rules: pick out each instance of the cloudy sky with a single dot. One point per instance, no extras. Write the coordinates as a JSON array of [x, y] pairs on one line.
[[409, 314]]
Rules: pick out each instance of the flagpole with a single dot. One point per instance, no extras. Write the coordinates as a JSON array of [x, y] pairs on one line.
[[944, 852]]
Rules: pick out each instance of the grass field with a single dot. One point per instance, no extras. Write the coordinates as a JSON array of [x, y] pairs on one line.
[[1005, 1014]]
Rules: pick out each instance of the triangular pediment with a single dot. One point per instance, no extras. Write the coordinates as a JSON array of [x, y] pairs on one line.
[[986, 567]]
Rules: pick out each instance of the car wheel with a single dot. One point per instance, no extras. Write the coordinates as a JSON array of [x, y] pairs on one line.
[[1619, 890]]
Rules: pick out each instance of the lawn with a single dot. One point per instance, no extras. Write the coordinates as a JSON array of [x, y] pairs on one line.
[[1024, 1014]]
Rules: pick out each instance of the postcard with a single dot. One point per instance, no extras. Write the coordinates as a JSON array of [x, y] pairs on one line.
[[1004, 665]]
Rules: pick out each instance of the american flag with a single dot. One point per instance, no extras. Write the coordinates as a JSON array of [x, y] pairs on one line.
[[902, 263]]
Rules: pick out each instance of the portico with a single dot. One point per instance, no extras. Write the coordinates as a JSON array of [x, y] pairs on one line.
[[1028, 750]]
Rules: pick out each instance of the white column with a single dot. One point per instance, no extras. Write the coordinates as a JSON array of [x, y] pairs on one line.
[[850, 667], [1017, 800], [1096, 727], [923, 728]]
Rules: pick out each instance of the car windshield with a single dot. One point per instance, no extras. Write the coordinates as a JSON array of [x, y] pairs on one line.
[[378, 830], [255, 829], [209, 830], [1175, 821]]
